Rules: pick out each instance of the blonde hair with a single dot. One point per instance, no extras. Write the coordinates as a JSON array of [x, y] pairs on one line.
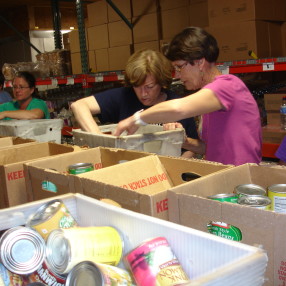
[[148, 62]]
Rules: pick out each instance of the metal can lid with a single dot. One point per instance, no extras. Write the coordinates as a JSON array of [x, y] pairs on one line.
[[249, 189], [85, 273], [58, 251], [22, 250], [277, 188], [80, 166], [44, 213], [222, 196], [254, 201]]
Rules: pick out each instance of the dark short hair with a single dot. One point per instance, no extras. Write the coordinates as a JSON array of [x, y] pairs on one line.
[[28, 77], [193, 43]]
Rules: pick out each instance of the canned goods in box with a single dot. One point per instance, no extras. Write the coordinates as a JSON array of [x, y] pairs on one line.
[[277, 194], [50, 216], [154, 263], [225, 230], [95, 274], [260, 202], [249, 190], [67, 247], [22, 250], [80, 168], [230, 198]]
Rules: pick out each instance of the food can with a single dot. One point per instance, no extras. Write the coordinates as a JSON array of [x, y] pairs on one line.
[[96, 274], [224, 230], [50, 216], [80, 168], [277, 194], [260, 202], [22, 250], [9, 278], [249, 190], [154, 263], [230, 198], [67, 247]]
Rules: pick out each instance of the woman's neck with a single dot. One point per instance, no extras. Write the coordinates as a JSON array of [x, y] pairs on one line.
[[24, 103], [210, 73]]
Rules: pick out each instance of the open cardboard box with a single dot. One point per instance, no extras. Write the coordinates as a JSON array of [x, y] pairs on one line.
[[10, 142], [206, 259], [12, 176], [189, 206]]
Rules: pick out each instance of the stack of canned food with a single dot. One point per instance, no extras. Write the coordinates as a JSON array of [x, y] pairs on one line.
[[52, 249], [272, 198]]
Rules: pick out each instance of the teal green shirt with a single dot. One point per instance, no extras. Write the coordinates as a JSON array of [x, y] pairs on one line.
[[35, 103]]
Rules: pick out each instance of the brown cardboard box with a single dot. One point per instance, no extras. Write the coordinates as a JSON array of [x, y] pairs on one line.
[[140, 7], [174, 21], [11, 142], [273, 101], [273, 133], [233, 11], [98, 37], [171, 4], [199, 13], [189, 206], [146, 28], [76, 63], [273, 118], [102, 60], [283, 37], [49, 177], [118, 57], [92, 61], [153, 45], [119, 34], [97, 13], [235, 40], [74, 41], [124, 7], [12, 188]]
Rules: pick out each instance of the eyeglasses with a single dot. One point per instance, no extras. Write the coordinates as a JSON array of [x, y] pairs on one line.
[[178, 68], [20, 87]]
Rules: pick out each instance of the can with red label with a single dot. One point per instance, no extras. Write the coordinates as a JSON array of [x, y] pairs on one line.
[[154, 263]]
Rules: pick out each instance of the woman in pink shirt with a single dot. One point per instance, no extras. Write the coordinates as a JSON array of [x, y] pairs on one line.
[[231, 128]]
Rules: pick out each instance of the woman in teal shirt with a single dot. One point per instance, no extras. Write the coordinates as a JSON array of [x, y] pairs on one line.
[[24, 105]]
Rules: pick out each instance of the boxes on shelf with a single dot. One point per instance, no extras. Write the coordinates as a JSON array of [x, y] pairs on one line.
[[273, 133], [189, 206], [12, 176], [149, 138], [49, 177], [214, 261], [42, 130]]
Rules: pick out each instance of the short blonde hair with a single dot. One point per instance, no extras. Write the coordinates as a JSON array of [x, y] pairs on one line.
[[148, 62]]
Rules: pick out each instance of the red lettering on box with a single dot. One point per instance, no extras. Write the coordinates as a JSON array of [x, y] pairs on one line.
[[97, 166], [162, 206], [15, 175]]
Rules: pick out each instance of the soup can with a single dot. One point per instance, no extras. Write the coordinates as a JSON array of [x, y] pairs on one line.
[[9, 278], [80, 168], [96, 274], [260, 202], [249, 190], [50, 216], [22, 250], [230, 198], [224, 230], [277, 194], [67, 247], [154, 263]]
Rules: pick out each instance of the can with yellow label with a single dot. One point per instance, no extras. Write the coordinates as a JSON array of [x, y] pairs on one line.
[[277, 194]]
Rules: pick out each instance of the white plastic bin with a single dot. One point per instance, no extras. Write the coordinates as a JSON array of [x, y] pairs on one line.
[[42, 130], [150, 138], [207, 259]]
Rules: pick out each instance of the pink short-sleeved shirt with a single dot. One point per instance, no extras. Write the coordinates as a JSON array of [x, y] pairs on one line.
[[233, 134]]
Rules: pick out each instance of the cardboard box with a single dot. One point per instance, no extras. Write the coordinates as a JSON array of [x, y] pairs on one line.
[[170, 4], [102, 60], [198, 12], [189, 206], [174, 21], [273, 118], [149, 138], [233, 11], [214, 260], [49, 177], [273, 101], [235, 40], [12, 176], [92, 61], [97, 13], [11, 142], [146, 28], [152, 45], [283, 37], [76, 63], [124, 7], [144, 189], [140, 7], [273, 134], [119, 34], [42, 130], [118, 57], [98, 37], [74, 41]]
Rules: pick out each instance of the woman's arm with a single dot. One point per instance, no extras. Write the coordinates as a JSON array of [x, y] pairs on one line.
[[36, 113]]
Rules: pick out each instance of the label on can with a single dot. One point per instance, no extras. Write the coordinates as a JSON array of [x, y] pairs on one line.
[[224, 230], [8, 278], [230, 198], [154, 263], [277, 194], [80, 168]]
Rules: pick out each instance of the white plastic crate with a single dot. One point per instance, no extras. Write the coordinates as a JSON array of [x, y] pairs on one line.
[[207, 259], [150, 138], [42, 130]]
